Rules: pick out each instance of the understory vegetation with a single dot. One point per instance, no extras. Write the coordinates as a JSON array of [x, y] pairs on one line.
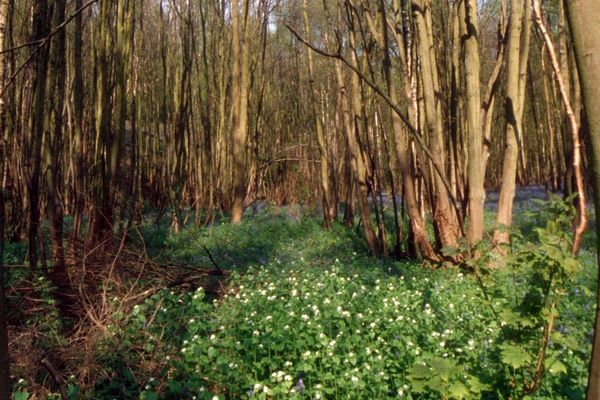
[[296, 311], [316, 199]]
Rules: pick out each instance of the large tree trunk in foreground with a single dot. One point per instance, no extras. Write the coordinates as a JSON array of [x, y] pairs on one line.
[[584, 18], [4, 358]]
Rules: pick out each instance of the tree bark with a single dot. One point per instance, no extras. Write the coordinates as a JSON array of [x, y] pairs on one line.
[[41, 27], [4, 351], [328, 210], [474, 135], [513, 123], [573, 127], [103, 217], [584, 17], [240, 85], [53, 142], [443, 217], [78, 109], [401, 146]]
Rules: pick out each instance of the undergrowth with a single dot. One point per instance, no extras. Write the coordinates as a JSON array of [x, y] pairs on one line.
[[307, 313]]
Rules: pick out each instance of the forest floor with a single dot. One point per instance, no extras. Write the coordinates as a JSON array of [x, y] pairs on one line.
[[301, 312]]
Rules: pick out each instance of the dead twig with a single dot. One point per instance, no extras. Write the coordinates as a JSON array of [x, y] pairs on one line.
[[56, 378]]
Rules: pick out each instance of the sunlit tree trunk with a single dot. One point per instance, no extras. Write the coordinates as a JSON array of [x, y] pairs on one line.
[[359, 163], [513, 121], [179, 170], [581, 222], [473, 121], [583, 17], [240, 86], [442, 214], [328, 210], [401, 146]]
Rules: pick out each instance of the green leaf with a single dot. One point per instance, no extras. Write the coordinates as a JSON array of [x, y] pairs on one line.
[[212, 352], [514, 356], [476, 385], [21, 395], [556, 367], [419, 386], [149, 396], [458, 390], [419, 372], [443, 367]]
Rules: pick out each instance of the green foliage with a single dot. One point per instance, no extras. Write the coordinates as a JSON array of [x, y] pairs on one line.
[[308, 314], [526, 295]]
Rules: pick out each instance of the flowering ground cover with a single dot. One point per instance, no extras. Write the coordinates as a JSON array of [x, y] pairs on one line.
[[308, 314]]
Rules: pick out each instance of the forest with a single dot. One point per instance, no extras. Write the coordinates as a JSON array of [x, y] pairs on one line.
[[299, 199]]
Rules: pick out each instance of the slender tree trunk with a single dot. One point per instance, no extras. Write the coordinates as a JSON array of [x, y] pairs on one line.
[[240, 86], [359, 161], [4, 354], [443, 217], [121, 71], [78, 104], [53, 143], [474, 135], [40, 30], [573, 127], [513, 123], [401, 146], [584, 17], [328, 210], [4, 350], [489, 101], [103, 217]]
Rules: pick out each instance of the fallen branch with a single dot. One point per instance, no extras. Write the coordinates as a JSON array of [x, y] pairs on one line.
[[56, 378], [211, 257]]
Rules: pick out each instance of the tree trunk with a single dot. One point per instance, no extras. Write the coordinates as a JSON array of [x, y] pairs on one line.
[[53, 142], [513, 123], [474, 135], [401, 146], [240, 85], [443, 217], [573, 124], [4, 355], [78, 105], [584, 17], [102, 219], [328, 211], [40, 31]]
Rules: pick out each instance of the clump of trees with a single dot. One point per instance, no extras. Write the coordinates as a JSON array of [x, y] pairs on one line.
[[198, 107], [109, 109]]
